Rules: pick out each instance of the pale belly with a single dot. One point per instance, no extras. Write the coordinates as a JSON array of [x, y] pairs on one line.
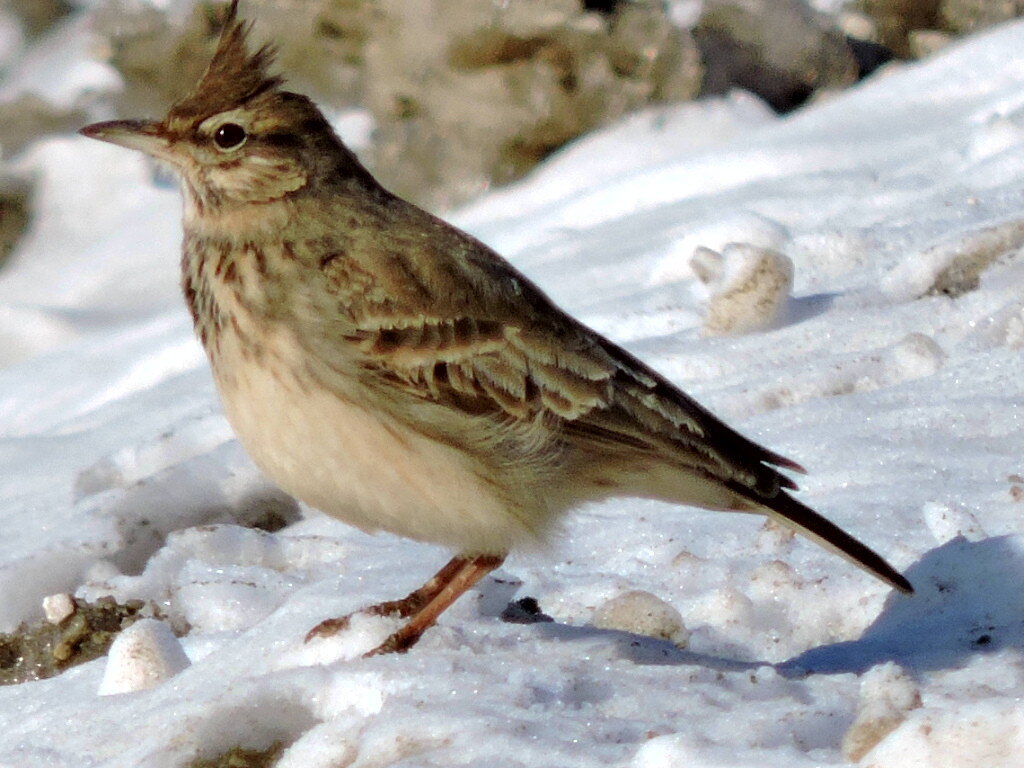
[[358, 466]]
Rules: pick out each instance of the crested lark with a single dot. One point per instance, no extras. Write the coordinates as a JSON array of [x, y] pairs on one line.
[[394, 372]]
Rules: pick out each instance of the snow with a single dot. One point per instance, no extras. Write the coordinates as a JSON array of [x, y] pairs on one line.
[[893, 372]]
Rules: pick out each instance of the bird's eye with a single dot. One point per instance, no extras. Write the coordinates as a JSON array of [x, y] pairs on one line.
[[229, 136]]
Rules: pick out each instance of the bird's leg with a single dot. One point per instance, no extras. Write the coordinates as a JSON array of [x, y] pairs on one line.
[[469, 572], [410, 604]]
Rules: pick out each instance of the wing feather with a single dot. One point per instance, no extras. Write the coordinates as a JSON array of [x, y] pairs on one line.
[[594, 395], [472, 332]]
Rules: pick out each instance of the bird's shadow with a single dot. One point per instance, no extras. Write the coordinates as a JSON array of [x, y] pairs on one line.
[[967, 601], [497, 601]]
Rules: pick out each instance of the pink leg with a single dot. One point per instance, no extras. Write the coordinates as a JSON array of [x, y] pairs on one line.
[[470, 573], [416, 602]]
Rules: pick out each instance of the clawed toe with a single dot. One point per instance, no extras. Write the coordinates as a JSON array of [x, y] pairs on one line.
[[331, 627], [328, 628], [398, 642]]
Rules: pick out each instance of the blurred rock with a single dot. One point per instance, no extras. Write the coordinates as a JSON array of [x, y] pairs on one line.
[[58, 607], [918, 28], [525, 610], [321, 43], [159, 59], [161, 56], [468, 93], [962, 16], [857, 24], [15, 212], [925, 42], [896, 19], [868, 55], [782, 50], [862, 36], [12, 39], [27, 118], [38, 15]]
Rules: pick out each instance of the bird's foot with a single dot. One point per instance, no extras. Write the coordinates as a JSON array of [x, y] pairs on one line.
[[397, 642], [421, 607], [397, 609], [328, 628]]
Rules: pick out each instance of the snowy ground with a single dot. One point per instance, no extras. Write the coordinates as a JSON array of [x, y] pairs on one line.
[[893, 372]]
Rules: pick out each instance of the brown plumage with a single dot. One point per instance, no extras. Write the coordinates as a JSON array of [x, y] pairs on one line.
[[396, 373]]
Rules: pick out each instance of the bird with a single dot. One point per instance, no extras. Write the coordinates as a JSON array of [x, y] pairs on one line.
[[396, 373]]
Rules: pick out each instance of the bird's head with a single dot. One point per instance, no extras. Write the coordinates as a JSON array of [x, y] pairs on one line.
[[238, 137]]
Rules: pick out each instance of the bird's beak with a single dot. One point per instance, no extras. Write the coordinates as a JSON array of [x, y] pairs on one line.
[[144, 135]]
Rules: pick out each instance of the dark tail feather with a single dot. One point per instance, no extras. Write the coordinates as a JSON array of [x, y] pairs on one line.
[[806, 521], [781, 461]]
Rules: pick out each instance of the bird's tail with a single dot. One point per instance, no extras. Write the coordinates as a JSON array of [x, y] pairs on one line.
[[806, 521]]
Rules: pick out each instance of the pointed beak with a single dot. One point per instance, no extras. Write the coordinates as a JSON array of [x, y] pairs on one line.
[[144, 135]]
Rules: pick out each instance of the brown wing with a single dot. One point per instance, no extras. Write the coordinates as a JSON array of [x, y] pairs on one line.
[[449, 320], [537, 361]]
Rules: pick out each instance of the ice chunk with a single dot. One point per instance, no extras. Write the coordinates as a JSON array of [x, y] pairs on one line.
[[643, 614], [887, 694], [142, 657], [749, 287]]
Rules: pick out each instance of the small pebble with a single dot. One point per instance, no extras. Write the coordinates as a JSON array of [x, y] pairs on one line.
[[642, 613], [143, 656], [748, 286], [58, 607]]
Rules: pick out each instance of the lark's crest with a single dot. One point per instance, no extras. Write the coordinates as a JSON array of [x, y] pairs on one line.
[[234, 76]]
